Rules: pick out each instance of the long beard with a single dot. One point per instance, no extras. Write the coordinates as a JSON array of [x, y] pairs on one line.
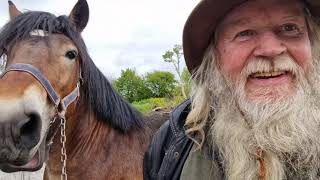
[[285, 128]]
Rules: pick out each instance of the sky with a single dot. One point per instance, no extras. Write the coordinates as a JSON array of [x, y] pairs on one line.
[[123, 33]]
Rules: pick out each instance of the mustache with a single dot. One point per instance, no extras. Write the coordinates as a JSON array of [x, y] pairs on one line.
[[282, 63]]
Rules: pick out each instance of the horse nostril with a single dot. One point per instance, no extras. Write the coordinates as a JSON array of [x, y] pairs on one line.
[[30, 131]]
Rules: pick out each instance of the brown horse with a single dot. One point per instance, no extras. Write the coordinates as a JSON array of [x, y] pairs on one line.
[[55, 103]]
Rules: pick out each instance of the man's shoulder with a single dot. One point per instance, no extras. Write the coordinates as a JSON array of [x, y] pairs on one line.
[[170, 139], [175, 125], [172, 128], [178, 117]]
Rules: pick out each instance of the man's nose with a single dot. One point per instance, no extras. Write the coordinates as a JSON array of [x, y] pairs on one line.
[[269, 46]]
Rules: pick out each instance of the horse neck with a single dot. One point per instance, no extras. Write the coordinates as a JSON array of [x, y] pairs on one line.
[[89, 137]]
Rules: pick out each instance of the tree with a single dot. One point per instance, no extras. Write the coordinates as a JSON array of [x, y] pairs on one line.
[[186, 80], [160, 83], [131, 86], [174, 56]]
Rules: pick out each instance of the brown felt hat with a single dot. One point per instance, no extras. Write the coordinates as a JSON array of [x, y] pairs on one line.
[[203, 20]]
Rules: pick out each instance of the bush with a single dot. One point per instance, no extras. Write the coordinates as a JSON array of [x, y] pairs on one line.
[[160, 83], [131, 86]]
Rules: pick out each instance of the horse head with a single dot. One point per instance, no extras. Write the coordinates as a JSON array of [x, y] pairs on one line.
[[41, 79]]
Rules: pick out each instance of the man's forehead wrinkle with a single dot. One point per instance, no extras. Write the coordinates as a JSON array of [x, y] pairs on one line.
[[244, 21], [238, 22], [243, 15]]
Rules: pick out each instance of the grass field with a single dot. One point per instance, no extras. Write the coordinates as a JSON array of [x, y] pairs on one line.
[[147, 105]]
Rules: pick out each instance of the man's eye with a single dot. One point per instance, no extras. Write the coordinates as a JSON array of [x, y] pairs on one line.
[[289, 29], [245, 35]]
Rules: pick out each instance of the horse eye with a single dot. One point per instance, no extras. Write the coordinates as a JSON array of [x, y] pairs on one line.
[[71, 54]]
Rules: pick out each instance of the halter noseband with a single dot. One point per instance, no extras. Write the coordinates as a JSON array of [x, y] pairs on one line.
[[62, 104]]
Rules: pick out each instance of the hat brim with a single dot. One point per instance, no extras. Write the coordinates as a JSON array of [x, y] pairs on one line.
[[204, 18]]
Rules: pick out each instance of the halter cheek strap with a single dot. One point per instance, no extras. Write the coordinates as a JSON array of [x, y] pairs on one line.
[[53, 95]]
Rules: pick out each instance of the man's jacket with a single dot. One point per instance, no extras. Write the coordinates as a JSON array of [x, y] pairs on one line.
[[170, 148]]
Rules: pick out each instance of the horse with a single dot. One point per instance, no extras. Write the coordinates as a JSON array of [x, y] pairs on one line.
[[58, 109]]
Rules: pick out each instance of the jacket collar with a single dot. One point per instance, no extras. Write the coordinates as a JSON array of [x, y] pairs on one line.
[[178, 118]]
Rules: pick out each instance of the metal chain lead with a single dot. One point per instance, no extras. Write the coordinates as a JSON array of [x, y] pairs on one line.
[[63, 140]]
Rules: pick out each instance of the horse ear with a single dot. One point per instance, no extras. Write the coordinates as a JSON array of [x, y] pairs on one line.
[[13, 11], [79, 15]]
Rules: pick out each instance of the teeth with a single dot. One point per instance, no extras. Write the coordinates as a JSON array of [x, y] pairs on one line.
[[267, 74]]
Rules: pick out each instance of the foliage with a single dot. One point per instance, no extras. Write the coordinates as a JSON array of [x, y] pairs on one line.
[[174, 56], [135, 88], [131, 86], [160, 83], [148, 105]]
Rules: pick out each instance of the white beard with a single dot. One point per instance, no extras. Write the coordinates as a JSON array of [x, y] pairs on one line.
[[286, 129]]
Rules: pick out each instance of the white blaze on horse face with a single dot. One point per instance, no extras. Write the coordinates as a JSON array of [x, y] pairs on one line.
[[10, 108], [39, 32], [34, 100]]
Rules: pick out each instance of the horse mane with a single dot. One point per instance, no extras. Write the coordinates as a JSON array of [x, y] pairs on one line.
[[96, 91]]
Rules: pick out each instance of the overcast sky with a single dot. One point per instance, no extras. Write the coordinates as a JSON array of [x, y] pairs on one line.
[[123, 33]]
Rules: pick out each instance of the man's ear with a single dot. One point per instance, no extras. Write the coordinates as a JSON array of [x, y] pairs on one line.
[[79, 15], [13, 11]]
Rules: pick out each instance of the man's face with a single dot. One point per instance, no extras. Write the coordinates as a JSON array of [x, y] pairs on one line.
[[263, 42]]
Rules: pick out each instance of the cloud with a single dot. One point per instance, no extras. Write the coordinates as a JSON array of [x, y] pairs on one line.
[[123, 33]]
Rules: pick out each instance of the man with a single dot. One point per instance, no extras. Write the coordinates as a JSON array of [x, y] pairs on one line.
[[255, 110]]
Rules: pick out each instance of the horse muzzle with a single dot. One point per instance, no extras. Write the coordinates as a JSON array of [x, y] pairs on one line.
[[20, 136], [23, 124]]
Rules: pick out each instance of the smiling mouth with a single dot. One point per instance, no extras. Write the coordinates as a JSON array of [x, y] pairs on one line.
[[268, 75], [271, 78]]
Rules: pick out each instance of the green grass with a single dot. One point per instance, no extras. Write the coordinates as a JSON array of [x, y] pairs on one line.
[[147, 105]]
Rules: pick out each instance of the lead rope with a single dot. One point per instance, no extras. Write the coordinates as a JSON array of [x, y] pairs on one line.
[[63, 139], [66, 101], [262, 163]]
